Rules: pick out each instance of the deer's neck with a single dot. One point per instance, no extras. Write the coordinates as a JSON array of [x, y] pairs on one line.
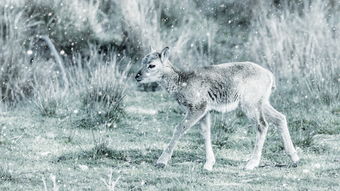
[[171, 79]]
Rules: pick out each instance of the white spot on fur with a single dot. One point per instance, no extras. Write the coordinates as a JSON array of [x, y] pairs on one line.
[[225, 107]]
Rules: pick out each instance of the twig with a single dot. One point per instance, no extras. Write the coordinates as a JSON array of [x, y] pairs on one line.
[[110, 183], [57, 57], [44, 182]]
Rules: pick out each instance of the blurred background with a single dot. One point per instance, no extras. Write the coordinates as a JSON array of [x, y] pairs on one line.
[[48, 45]]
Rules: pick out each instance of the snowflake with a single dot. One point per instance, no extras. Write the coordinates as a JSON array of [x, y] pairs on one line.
[[29, 52]]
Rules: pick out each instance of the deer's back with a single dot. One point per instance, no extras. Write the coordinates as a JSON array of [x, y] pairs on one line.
[[226, 84]]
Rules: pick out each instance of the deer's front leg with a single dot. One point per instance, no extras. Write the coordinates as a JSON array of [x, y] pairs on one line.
[[192, 117]]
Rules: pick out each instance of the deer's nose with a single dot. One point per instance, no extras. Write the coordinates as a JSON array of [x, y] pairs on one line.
[[138, 76]]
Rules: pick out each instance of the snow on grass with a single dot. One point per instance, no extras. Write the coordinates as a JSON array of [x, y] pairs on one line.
[[140, 110]]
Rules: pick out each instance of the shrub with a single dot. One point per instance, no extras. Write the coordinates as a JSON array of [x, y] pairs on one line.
[[102, 93], [73, 24], [15, 54], [48, 95]]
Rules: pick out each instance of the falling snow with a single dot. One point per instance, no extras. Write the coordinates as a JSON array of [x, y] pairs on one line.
[[73, 117]]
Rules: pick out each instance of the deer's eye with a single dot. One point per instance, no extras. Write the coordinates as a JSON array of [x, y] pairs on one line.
[[151, 66]]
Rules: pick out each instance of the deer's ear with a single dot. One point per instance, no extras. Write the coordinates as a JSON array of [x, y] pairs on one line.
[[165, 54]]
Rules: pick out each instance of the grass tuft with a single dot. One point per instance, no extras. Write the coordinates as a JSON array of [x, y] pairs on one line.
[[5, 175], [102, 97]]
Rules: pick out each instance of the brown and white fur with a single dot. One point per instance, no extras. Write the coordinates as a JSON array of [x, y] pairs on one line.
[[222, 88]]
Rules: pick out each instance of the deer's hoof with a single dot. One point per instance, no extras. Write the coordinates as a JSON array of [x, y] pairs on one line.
[[295, 158], [160, 165], [208, 167], [251, 165], [295, 164]]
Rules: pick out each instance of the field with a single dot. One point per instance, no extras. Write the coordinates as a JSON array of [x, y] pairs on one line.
[[72, 117], [34, 148]]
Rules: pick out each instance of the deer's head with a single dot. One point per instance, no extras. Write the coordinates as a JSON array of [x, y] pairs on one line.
[[153, 66]]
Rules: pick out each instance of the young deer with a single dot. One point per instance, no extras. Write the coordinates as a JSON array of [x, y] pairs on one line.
[[222, 88]]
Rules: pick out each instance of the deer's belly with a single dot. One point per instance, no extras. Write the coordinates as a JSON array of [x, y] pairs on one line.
[[224, 107]]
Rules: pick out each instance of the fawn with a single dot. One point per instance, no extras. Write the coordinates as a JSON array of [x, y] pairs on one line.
[[222, 88]]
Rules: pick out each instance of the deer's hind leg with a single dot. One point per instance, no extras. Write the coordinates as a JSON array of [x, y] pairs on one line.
[[206, 132], [255, 113], [280, 121]]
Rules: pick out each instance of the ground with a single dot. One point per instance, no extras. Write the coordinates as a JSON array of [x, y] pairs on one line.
[[35, 148]]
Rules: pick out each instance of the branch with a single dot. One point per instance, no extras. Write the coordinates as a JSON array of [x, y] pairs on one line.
[[57, 58]]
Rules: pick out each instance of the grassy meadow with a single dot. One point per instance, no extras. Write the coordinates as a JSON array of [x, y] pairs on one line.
[[73, 118]]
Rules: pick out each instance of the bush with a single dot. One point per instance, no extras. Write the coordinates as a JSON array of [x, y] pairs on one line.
[[73, 24], [102, 93], [15, 54]]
